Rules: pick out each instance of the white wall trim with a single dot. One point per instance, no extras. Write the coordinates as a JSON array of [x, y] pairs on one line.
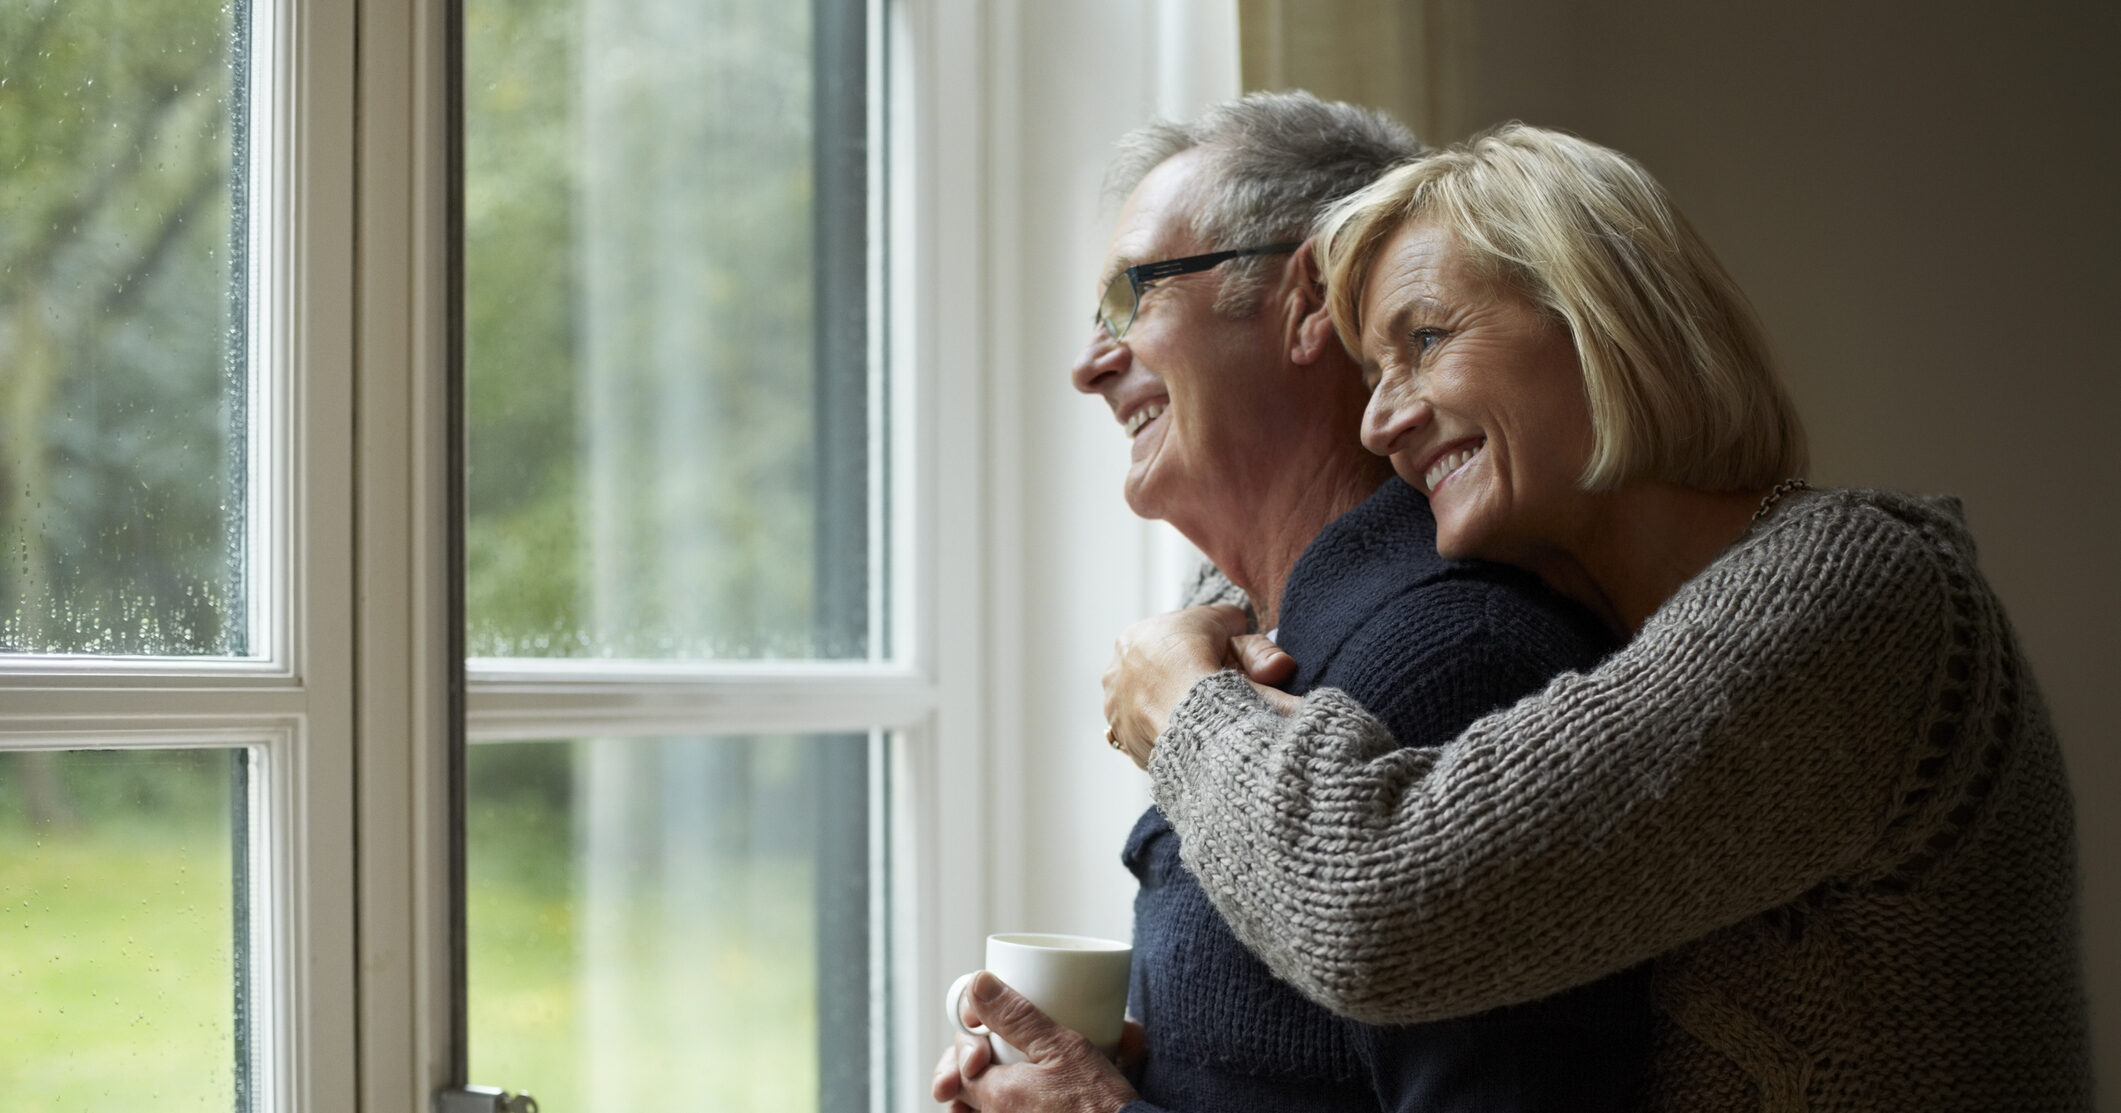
[[1072, 566], [938, 189]]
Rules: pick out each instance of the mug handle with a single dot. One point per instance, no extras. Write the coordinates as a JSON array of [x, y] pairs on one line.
[[954, 1000]]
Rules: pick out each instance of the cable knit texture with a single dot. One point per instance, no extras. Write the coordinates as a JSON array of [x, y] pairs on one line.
[[1818, 789], [1433, 645]]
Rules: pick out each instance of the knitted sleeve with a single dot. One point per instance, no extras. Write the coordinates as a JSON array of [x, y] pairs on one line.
[[1744, 748], [1209, 586]]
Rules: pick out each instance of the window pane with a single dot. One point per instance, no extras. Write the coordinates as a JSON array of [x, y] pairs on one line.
[[123, 371], [119, 943], [666, 332], [672, 921]]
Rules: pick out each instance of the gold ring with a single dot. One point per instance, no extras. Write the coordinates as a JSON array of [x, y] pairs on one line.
[[1112, 738]]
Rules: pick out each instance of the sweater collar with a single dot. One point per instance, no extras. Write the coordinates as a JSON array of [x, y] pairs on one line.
[[1359, 562]]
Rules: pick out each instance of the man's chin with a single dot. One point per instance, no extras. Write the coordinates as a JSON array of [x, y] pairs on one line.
[[1139, 500], [1142, 510]]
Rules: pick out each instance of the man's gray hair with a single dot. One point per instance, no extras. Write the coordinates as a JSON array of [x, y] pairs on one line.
[[1279, 161]]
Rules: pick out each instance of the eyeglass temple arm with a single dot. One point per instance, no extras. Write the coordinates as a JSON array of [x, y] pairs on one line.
[[1147, 272]]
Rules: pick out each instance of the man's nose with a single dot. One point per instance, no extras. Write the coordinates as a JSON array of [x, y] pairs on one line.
[[1395, 414], [1101, 357]]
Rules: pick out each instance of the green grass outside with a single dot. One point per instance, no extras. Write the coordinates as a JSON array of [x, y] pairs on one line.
[[714, 1001], [115, 970], [116, 956], [115, 974]]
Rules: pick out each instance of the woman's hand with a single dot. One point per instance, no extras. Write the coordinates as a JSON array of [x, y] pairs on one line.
[[1157, 661], [1060, 1071]]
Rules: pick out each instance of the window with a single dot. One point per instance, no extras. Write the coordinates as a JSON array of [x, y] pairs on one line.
[[690, 676], [126, 263], [229, 666], [124, 871], [174, 514]]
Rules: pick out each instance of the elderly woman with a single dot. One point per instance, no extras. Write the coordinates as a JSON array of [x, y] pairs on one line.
[[1817, 788]]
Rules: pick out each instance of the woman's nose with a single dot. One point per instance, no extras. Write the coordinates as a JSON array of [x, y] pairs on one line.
[[1394, 415], [1102, 356]]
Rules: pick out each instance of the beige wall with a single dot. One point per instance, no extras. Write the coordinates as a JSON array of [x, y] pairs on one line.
[[1921, 199]]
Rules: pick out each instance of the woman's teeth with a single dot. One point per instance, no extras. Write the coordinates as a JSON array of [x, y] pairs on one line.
[[1450, 462], [1144, 416]]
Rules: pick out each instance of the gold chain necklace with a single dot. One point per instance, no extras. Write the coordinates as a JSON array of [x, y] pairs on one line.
[[1783, 488]]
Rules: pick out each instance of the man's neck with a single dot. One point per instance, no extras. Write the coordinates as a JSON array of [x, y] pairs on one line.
[[1276, 530]]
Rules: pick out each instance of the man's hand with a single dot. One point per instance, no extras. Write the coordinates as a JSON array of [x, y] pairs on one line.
[[1061, 1071], [1263, 662]]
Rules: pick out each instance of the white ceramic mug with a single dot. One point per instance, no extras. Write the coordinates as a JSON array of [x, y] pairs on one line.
[[1079, 981]]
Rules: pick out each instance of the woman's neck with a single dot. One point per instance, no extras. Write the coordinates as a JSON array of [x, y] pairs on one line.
[[1634, 548]]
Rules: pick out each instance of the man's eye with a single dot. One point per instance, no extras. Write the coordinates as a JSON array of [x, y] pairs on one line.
[[1427, 338]]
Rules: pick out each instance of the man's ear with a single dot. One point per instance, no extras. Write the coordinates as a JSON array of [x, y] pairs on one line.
[[1311, 334]]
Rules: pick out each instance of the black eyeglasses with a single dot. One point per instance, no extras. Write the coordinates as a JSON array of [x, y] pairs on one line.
[[1123, 296]]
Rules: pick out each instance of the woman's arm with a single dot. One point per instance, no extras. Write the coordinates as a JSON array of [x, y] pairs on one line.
[[1743, 749]]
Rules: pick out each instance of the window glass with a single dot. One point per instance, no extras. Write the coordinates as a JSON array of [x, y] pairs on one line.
[[120, 939], [672, 921], [666, 266], [123, 364]]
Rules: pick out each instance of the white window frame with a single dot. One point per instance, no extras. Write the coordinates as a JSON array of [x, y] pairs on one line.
[[983, 103], [359, 686], [289, 706], [927, 694]]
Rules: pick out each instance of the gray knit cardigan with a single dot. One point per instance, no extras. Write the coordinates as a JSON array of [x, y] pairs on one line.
[[1819, 789]]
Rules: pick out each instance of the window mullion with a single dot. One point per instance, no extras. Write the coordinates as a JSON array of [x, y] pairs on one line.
[[304, 158], [403, 648]]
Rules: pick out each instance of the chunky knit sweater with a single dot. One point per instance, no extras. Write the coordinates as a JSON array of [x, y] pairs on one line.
[[1431, 645], [1818, 790]]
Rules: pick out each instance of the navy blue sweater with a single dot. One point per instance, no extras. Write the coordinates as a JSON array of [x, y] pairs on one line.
[[1428, 646]]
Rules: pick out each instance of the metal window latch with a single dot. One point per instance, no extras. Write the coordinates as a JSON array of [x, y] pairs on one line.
[[483, 1099]]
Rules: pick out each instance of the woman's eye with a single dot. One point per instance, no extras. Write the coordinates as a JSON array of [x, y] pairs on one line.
[[1427, 338]]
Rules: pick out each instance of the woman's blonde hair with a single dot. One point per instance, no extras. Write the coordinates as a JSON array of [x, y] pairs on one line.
[[1675, 365]]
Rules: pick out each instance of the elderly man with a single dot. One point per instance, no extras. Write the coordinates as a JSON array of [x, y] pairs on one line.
[[1215, 353]]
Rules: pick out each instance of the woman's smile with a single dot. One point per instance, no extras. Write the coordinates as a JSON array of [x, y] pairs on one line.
[[1447, 465]]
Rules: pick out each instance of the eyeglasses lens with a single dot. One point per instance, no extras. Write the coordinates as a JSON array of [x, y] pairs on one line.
[[1115, 310]]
